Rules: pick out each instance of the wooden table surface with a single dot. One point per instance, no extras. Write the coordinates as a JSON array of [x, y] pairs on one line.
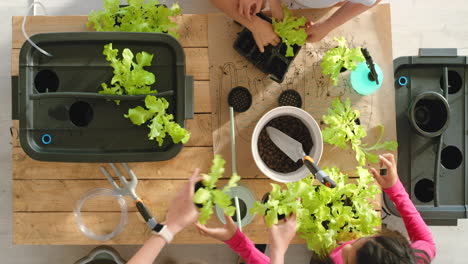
[[45, 193]]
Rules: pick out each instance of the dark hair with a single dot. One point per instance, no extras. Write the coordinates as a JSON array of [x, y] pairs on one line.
[[388, 247]]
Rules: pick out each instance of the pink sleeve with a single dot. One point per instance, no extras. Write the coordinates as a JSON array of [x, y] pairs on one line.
[[419, 233], [243, 246]]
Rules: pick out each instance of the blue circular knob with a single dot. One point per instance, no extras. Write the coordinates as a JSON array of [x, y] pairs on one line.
[[46, 139]]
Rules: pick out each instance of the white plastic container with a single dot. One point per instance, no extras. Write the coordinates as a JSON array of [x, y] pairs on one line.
[[315, 152]]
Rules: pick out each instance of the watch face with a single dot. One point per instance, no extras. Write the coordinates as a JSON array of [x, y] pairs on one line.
[[158, 228]]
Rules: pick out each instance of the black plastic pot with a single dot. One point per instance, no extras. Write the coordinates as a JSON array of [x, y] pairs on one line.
[[272, 61], [265, 198]]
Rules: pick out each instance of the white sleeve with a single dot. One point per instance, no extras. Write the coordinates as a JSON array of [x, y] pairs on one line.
[[364, 2]]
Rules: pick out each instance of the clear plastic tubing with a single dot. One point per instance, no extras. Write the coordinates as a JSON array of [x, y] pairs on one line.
[[100, 192], [24, 30]]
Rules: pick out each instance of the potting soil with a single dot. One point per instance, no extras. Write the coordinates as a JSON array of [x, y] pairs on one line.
[[273, 157]]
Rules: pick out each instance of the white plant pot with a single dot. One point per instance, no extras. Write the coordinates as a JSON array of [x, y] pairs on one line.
[[315, 152]]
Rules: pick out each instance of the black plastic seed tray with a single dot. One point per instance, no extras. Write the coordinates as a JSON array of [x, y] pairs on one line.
[[431, 106], [272, 61], [64, 118]]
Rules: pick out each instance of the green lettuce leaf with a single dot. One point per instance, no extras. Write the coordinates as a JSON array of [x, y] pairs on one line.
[[342, 130], [290, 30], [129, 76], [211, 196], [138, 16], [324, 215], [339, 57]]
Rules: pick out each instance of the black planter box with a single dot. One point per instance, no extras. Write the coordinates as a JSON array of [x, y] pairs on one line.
[[437, 186], [272, 61], [62, 116]]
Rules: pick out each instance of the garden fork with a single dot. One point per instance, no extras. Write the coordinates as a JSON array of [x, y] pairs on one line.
[[128, 189]]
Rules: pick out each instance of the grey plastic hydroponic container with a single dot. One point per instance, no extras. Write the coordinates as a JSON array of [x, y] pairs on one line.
[[62, 116], [426, 117]]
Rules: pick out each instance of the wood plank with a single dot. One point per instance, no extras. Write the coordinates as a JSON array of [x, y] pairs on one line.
[[61, 195], [197, 63], [15, 62], [196, 60], [193, 29], [180, 167], [202, 97], [200, 131], [59, 228], [199, 127]]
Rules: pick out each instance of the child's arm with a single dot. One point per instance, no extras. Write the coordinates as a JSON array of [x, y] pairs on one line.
[[236, 240], [317, 31], [419, 233], [262, 30], [182, 213]]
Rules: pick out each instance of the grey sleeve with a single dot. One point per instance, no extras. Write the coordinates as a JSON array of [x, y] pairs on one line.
[[364, 2]]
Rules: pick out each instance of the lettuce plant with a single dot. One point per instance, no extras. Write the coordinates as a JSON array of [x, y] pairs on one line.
[[340, 57], [161, 123], [129, 76], [209, 196], [138, 16], [342, 128], [325, 215], [291, 30], [131, 79]]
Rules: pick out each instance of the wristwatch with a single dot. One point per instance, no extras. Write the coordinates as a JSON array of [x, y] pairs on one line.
[[164, 232]]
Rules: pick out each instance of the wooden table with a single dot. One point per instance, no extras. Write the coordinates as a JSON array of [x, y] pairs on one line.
[[45, 193]]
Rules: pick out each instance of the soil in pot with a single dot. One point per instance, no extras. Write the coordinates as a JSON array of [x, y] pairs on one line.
[[273, 157], [265, 198]]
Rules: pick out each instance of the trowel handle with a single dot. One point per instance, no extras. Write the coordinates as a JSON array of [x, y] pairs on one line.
[[319, 174]]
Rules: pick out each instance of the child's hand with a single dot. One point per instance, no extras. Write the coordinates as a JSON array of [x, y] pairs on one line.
[[224, 233], [249, 8], [182, 211], [276, 10], [263, 33], [316, 31], [391, 178], [282, 234]]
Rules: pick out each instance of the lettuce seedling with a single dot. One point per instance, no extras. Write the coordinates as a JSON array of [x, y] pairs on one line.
[[342, 128], [325, 215], [209, 196], [129, 76], [339, 214], [290, 30], [138, 16], [131, 79], [161, 123], [340, 57]]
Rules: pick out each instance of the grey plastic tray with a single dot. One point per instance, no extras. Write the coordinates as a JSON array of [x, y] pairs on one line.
[[437, 186], [58, 99]]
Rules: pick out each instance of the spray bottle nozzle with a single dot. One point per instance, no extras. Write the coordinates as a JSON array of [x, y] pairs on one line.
[[373, 76]]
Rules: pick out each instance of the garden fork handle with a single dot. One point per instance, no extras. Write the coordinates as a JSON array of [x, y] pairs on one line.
[[149, 219]]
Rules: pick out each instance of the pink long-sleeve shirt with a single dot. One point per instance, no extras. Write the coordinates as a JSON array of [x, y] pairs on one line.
[[419, 234]]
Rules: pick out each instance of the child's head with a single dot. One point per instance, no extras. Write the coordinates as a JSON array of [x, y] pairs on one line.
[[389, 247]]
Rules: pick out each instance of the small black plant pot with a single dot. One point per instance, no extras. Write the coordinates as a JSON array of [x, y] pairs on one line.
[[265, 198], [272, 61]]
